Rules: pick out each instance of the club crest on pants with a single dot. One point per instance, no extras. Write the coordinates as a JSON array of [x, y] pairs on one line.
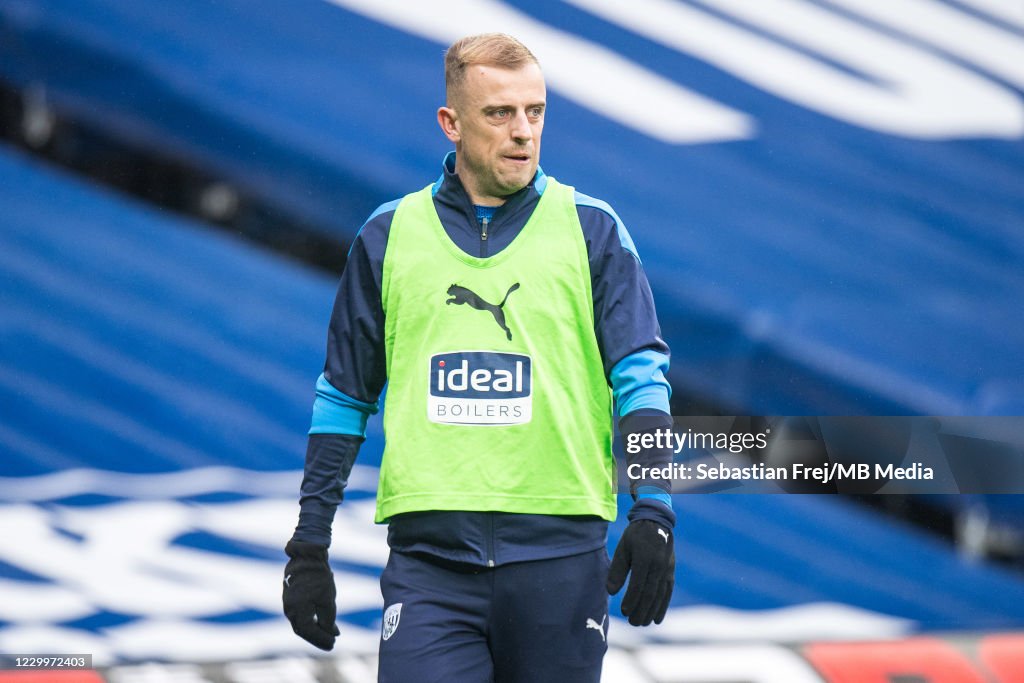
[[391, 616]]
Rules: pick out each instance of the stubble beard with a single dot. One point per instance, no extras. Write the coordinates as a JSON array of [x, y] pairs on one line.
[[510, 183], [491, 182]]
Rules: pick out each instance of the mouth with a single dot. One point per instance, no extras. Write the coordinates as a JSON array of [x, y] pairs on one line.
[[518, 158]]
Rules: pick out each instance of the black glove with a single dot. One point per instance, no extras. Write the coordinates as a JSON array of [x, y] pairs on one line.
[[647, 552], [309, 594]]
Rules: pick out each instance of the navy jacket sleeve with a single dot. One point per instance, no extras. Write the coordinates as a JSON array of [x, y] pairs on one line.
[[355, 363], [635, 356], [354, 376]]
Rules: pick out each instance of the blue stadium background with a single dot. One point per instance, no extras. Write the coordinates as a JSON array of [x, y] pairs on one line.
[[852, 248]]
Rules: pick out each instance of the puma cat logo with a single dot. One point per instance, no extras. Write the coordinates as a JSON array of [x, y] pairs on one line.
[[461, 295], [596, 626]]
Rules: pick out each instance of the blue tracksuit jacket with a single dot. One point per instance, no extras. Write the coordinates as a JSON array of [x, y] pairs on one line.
[[634, 355]]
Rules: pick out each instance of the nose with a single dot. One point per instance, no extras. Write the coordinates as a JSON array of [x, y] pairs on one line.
[[521, 131]]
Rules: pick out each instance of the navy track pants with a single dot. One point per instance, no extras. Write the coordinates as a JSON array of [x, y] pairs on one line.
[[524, 622]]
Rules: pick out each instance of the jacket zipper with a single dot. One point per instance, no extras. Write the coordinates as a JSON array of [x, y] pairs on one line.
[[490, 538], [484, 222], [483, 236]]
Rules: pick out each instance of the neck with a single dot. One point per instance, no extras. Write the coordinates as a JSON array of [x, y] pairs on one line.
[[472, 189]]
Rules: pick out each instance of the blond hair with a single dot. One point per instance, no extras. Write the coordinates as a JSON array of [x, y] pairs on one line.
[[485, 49]]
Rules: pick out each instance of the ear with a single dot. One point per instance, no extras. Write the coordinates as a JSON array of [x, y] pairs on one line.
[[449, 122]]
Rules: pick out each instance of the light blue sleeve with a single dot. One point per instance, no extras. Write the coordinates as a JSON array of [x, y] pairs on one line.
[[638, 382], [336, 413]]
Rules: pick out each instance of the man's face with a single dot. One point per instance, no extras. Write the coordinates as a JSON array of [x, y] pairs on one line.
[[495, 121]]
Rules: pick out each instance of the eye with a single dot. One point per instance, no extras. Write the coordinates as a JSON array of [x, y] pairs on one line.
[[536, 112]]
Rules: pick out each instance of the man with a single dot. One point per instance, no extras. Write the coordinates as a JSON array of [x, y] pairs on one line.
[[499, 305]]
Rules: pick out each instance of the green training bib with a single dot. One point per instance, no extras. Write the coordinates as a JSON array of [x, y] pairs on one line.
[[497, 398]]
